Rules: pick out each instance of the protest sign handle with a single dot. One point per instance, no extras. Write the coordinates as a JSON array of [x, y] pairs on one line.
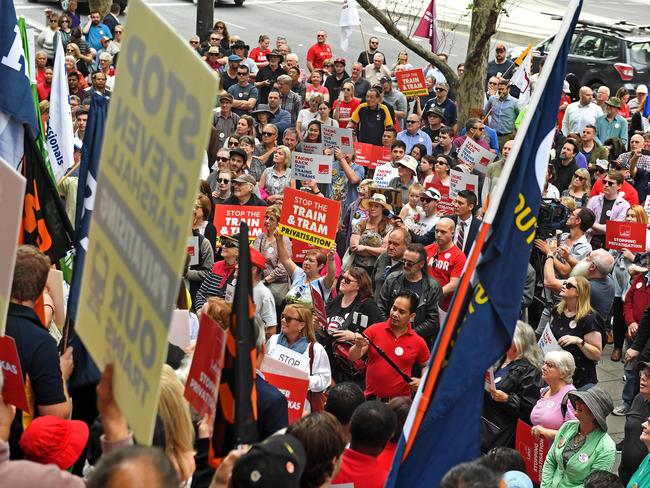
[[388, 360]]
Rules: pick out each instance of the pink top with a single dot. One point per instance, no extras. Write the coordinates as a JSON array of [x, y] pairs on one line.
[[547, 411]]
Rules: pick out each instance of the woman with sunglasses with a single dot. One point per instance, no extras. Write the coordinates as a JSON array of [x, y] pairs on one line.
[[65, 29], [221, 33], [547, 416], [345, 104], [517, 380], [224, 187], [354, 295], [222, 278], [81, 51], [314, 86], [297, 334], [579, 187], [442, 172], [574, 324], [370, 236], [402, 62], [277, 177], [45, 40]]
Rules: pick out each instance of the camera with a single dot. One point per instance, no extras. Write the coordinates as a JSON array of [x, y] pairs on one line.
[[552, 217]]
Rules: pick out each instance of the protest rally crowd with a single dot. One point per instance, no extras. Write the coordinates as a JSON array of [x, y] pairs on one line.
[[363, 314]]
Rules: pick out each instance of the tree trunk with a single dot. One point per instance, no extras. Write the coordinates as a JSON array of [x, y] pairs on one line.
[[103, 6]]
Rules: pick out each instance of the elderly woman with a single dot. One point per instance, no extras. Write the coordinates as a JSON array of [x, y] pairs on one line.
[[221, 280], [308, 114], [277, 177], [642, 475], [547, 416], [370, 236], [574, 324], [45, 39], [517, 382], [297, 334], [581, 446], [579, 187], [275, 277]]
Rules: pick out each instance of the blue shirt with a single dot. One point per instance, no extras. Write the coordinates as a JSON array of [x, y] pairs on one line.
[[609, 130], [243, 93], [341, 189], [95, 34], [503, 113], [411, 140], [282, 120]]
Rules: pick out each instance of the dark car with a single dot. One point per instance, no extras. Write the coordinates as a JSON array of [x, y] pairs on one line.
[[616, 55]]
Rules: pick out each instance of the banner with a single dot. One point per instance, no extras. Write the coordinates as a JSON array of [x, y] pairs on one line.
[[626, 235], [370, 155], [532, 449], [205, 373], [309, 218], [472, 152], [60, 135], [312, 147], [384, 174], [228, 217], [337, 137], [547, 342], [12, 195], [446, 204], [155, 137], [13, 389], [317, 167], [293, 383], [462, 181], [411, 82]]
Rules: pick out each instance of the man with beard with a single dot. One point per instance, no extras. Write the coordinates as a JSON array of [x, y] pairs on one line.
[[94, 31]]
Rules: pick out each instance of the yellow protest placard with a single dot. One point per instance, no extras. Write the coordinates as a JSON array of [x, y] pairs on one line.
[[157, 129], [12, 198]]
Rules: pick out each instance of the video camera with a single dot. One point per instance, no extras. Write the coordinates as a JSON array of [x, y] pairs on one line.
[[552, 217]]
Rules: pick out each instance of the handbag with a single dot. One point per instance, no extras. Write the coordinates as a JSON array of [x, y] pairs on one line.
[[316, 399], [348, 260], [341, 350], [279, 290]]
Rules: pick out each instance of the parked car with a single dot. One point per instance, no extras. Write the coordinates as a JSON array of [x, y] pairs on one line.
[[614, 55]]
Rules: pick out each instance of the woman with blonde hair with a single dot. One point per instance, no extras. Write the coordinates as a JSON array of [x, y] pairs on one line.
[[401, 63], [277, 177], [517, 381], [579, 187], [577, 329], [174, 412], [370, 236]]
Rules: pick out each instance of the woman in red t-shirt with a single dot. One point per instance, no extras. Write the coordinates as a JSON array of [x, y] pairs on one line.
[[345, 105], [258, 54]]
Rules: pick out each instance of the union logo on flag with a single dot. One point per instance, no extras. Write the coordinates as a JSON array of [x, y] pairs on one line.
[[323, 169]]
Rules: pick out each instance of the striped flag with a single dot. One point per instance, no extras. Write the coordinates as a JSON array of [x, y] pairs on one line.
[[444, 424]]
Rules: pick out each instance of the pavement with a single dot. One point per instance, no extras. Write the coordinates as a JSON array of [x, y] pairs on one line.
[[610, 379]]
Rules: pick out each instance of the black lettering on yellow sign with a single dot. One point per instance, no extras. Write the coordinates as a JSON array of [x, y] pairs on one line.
[[522, 212]]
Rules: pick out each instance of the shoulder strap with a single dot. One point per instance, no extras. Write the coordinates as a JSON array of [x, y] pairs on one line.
[[311, 356]]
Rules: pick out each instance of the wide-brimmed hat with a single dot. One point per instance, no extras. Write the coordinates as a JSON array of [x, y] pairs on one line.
[[614, 102], [233, 239], [370, 182], [52, 440], [277, 53], [436, 111], [380, 199], [598, 401], [250, 179], [279, 460], [409, 162], [263, 108], [213, 50], [239, 44]]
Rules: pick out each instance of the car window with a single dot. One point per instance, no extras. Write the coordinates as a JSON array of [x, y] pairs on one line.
[[640, 52], [588, 45], [611, 48]]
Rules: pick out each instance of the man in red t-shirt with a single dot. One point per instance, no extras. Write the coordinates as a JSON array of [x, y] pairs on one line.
[[319, 52], [400, 343], [446, 261]]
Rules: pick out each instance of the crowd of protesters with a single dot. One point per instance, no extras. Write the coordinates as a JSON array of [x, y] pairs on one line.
[[387, 283]]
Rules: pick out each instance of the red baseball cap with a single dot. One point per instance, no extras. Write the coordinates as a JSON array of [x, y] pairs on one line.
[[258, 259], [52, 440]]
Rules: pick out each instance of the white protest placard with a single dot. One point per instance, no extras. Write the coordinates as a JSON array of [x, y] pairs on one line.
[[179, 330], [548, 342], [12, 198], [384, 174], [312, 147], [489, 384], [462, 181], [338, 137], [472, 152], [292, 358], [193, 249], [317, 167]]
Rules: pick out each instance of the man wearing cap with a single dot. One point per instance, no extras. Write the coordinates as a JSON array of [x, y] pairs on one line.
[[396, 98], [262, 296], [377, 70], [415, 279], [446, 261], [268, 75], [240, 48], [212, 57], [289, 100], [224, 121], [502, 110], [370, 118], [230, 75], [281, 118], [413, 134], [581, 113], [612, 125], [244, 93], [318, 52], [220, 282], [639, 100], [334, 83], [424, 222], [501, 66], [442, 101], [407, 169], [361, 85], [243, 193], [433, 122]]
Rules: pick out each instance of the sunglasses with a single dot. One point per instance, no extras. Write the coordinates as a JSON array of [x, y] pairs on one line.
[[233, 144], [214, 38], [579, 177], [65, 21], [568, 285], [426, 200], [224, 181], [348, 280], [347, 89], [499, 50], [287, 318], [245, 73], [440, 89], [410, 263], [268, 134], [327, 66], [228, 245], [223, 159], [442, 162], [192, 42], [609, 182], [374, 43], [412, 122]]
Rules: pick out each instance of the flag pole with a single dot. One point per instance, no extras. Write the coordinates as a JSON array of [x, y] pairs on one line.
[[365, 45], [431, 379]]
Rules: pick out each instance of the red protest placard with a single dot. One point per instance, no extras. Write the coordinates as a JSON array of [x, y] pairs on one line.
[[411, 82], [532, 449], [13, 390], [370, 155], [446, 204], [309, 218], [292, 382], [626, 235], [228, 217], [202, 384]]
